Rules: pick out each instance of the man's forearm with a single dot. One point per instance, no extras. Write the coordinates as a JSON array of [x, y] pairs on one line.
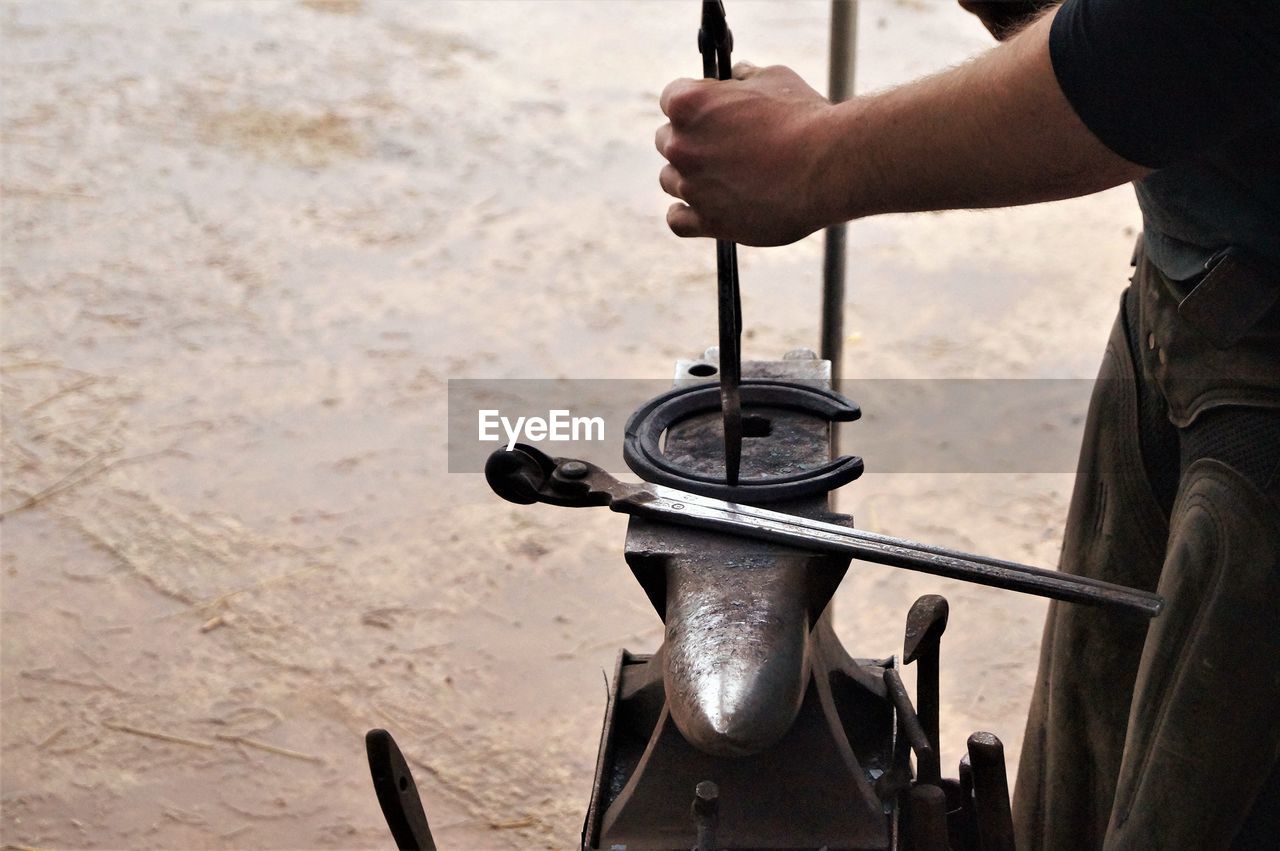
[[994, 132], [764, 159]]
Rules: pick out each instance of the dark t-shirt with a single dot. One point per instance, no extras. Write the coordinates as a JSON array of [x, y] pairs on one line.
[[1190, 88]]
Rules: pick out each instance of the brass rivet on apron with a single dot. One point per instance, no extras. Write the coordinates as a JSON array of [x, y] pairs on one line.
[[1151, 341]]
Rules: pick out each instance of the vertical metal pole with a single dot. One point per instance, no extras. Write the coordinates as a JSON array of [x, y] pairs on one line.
[[844, 43], [844, 32]]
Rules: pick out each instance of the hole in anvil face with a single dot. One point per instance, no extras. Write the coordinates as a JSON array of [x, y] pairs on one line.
[[787, 442], [702, 370]]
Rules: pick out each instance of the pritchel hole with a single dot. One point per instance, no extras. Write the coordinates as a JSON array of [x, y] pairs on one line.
[[404, 784], [702, 370], [753, 426]]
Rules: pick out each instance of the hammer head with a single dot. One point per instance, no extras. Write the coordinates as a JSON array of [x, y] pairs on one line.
[[926, 622]]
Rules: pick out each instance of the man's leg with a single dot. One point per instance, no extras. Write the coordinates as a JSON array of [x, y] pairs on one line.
[[1116, 531], [1203, 732], [1199, 767], [1200, 757]]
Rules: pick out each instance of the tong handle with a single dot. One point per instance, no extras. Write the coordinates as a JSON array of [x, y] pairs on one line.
[[397, 793]]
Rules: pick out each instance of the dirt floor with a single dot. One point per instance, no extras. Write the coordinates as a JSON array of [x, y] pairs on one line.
[[245, 246]]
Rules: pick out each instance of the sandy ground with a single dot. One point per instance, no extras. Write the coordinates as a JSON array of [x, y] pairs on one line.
[[246, 244]]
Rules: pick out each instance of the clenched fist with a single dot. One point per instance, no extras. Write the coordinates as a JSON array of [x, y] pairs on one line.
[[747, 157]]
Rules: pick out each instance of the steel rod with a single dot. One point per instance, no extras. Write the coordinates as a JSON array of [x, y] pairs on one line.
[[840, 82], [690, 509]]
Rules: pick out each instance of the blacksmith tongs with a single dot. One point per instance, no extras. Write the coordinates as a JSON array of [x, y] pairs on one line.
[[525, 475], [715, 42]]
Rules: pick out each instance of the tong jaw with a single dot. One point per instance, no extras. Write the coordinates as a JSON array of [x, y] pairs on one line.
[[525, 475], [714, 34]]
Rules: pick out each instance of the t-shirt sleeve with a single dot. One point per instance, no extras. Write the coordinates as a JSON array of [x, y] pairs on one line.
[[1162, 80]]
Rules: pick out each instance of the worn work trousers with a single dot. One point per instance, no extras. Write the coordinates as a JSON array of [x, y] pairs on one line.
[[1165, 734]]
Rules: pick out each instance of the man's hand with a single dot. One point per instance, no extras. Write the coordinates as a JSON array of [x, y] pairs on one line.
[[764, 160], [745, 156]]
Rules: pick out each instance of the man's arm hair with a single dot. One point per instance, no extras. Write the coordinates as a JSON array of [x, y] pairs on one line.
[[1006, 18]]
